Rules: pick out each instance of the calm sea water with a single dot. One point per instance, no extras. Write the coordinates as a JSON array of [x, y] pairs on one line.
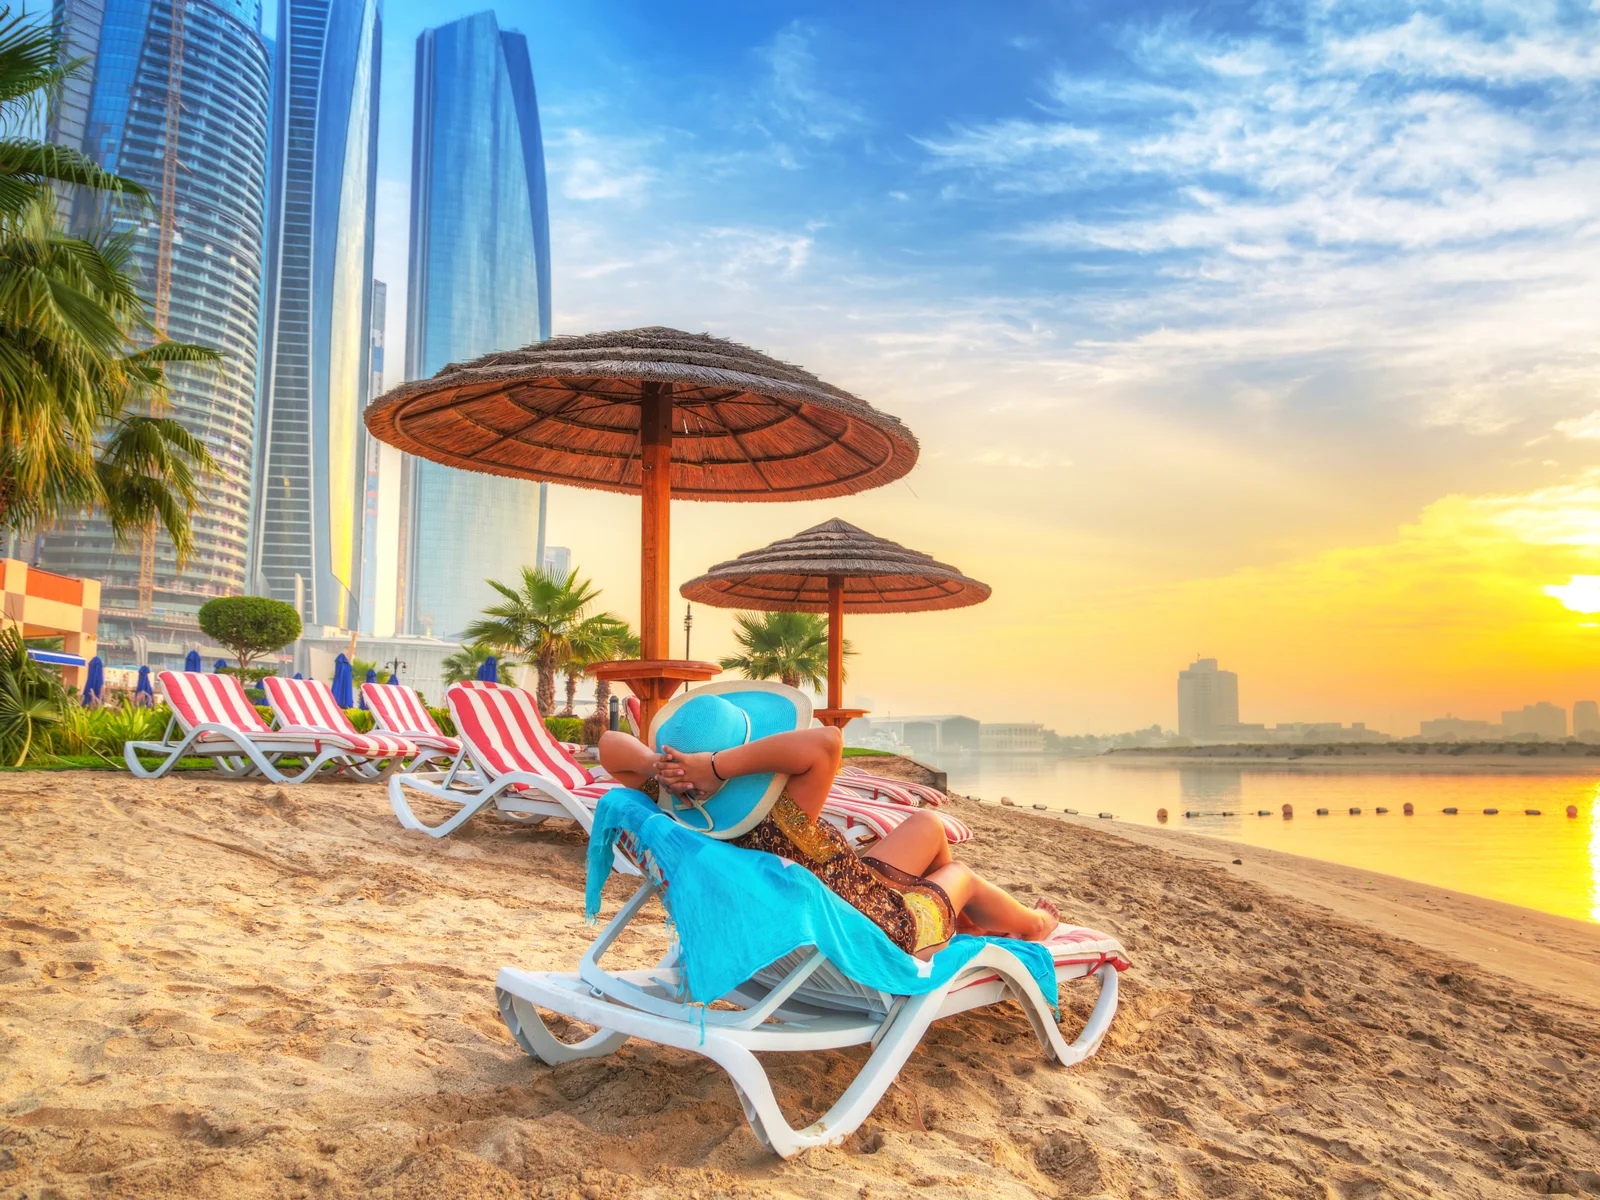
[[1549, 862]]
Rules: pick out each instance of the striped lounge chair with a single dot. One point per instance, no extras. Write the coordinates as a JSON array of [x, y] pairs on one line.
[[216, 720], [518, 765], [398, 709], [308, 706], [895, 791]]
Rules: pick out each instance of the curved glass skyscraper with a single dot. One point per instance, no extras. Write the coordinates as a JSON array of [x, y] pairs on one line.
[[117, 113], [316, 346], [479, 281]]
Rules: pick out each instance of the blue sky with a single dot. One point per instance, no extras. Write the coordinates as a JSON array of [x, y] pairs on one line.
[[1168, 292]]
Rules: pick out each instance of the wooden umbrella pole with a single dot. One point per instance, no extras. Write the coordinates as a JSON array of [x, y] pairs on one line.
[[835, 641], [836, 714], [655, 506]]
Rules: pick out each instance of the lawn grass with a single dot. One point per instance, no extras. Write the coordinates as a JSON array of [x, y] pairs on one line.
[[859, 752]]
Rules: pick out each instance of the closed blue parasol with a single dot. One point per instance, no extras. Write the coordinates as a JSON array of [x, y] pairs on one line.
[[489, 670], [372, 677], [144, 695], [95, 686], [218, 666], [191, 662], [343, 691]]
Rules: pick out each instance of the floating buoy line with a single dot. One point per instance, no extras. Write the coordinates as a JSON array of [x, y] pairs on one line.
[[1288, 812]]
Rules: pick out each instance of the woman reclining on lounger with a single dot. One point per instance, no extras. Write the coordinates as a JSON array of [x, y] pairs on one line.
[[909, 886]]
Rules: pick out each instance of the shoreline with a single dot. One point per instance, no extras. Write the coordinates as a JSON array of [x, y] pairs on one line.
[[1558, 954]]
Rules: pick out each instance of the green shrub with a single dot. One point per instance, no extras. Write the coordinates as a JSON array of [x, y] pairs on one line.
[[360, 718], [444, 720], [256, 696], [265, 711], [565, 729]]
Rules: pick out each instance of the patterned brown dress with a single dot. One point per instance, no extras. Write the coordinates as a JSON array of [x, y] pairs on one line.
[[915, 912]]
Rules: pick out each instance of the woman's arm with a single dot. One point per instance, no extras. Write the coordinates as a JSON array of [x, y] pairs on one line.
[[628, 760]]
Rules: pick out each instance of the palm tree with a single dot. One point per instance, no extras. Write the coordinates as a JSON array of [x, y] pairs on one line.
[[82, 369], [789, 647], [601, 638], [462, 666], [538, 622]]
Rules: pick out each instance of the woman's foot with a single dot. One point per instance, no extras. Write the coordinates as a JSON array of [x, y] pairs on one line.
[[1049, 917]]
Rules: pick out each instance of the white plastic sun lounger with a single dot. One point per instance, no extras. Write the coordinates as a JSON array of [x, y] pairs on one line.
[[217, 721], [516, 765], [800, 1003], [397, 709], [308, 704]]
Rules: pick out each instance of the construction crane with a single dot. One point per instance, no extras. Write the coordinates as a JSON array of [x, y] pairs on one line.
[[163, 305]]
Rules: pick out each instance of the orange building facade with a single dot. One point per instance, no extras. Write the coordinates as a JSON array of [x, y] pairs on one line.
[[44, 604]]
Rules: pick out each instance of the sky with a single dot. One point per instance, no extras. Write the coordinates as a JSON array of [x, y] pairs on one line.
[[1259, 331]]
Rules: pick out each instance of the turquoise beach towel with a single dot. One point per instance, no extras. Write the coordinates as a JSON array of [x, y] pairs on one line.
[[737, 911]]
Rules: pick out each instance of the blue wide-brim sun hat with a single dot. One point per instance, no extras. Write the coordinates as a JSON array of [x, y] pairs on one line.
[[719, 717]]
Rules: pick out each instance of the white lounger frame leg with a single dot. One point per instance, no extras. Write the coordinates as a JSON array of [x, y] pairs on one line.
[[517, 805], [787, 1016], [229, 761]]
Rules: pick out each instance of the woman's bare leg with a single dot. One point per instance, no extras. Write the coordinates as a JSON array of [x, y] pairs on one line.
[[918, 845], [991, 909]]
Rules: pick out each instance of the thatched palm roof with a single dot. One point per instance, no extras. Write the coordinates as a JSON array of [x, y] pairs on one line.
[[745, 427], [792, 576]]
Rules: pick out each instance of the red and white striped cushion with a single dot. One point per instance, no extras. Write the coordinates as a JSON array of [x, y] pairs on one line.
[[198, 699], [504, 732], [1077, 944], [900, 791], [397, 708], [307, 706], [881, 818]]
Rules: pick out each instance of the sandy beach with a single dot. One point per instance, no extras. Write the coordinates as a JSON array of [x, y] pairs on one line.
[[220, 989]]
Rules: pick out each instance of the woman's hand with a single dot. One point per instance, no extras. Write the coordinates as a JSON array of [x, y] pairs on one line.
[[680, 773]]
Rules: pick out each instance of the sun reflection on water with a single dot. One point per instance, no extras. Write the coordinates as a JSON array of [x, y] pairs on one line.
[[1594, 855], [1502, 835]]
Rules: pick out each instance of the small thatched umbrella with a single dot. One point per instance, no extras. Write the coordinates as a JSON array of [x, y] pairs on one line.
[[835, 568], [658, 412]]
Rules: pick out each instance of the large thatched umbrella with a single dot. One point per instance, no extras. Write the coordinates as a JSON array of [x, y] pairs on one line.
[[654, 411], [835, 568]]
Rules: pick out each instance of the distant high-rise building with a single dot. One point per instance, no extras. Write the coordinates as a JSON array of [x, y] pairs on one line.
[[116, 111], [1545, 719], [479, 281], [316, 360], [1585, 717], [374, 454], [557, 561], [1208, 699]]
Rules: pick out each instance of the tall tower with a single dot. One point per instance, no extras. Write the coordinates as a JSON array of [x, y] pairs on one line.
[[1208, 699], [316, 357], [118, 113], [372, 509], [479, 281]]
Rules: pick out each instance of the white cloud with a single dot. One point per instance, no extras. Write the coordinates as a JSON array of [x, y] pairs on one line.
[[795, 93], [1585, 428]]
